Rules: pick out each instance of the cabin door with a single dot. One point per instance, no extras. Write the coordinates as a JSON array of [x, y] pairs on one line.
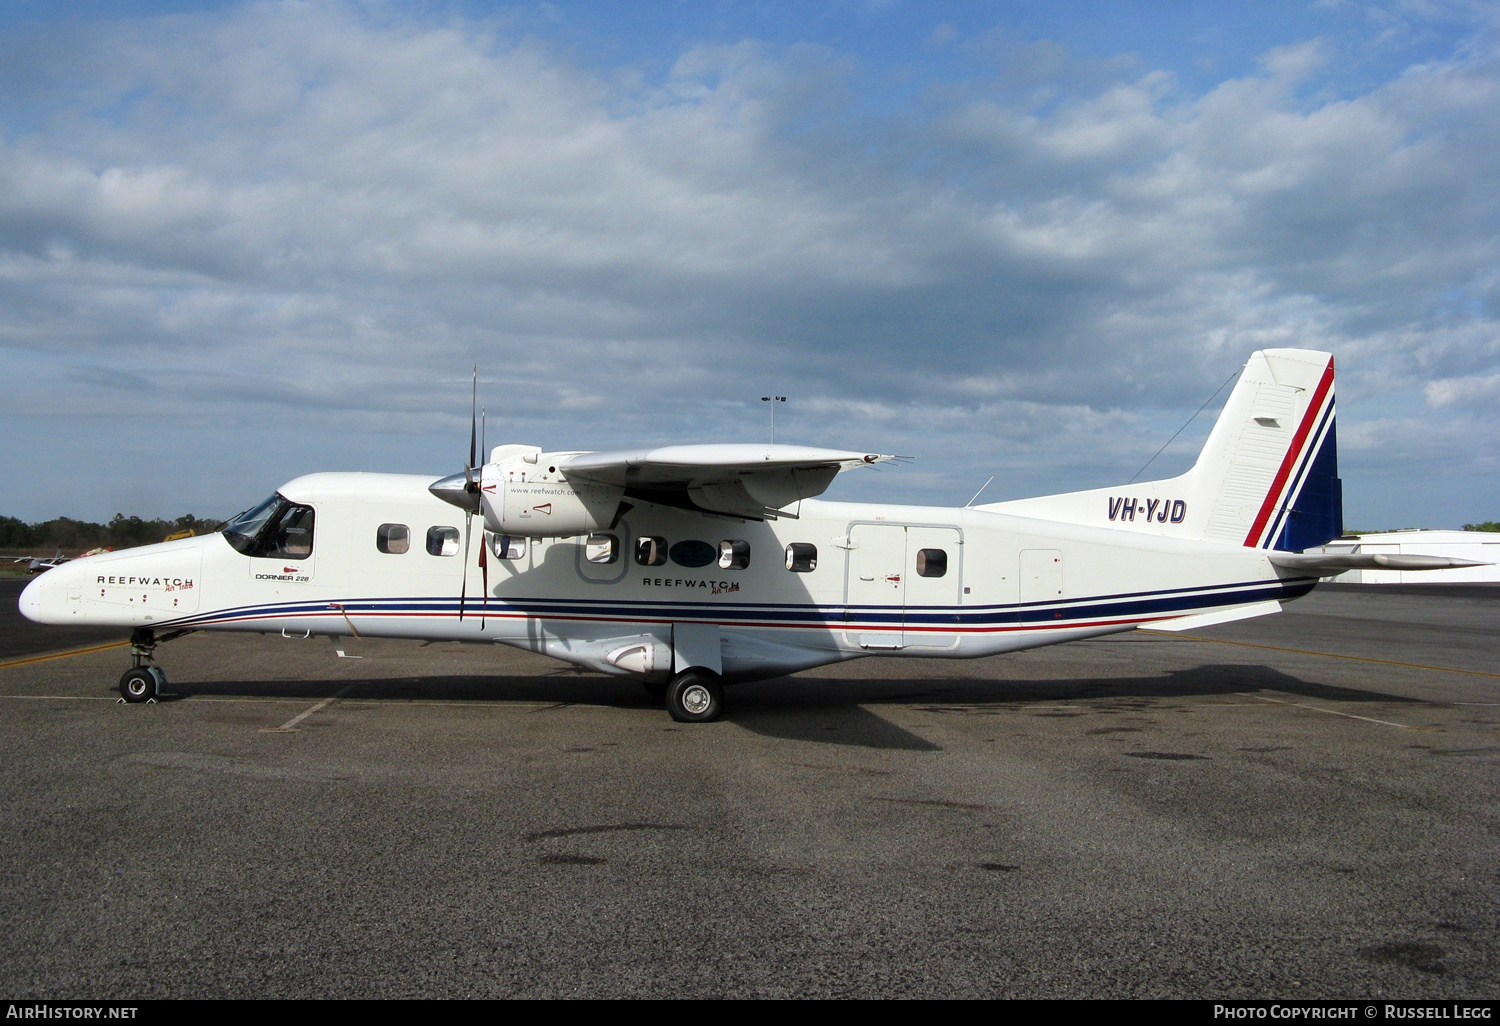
[[934, 578], [875, 592]]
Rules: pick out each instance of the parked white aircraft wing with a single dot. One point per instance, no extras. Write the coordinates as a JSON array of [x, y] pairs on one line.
[[737, 479]]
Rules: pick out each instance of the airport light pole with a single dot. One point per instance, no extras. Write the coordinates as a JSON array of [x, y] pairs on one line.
[[773, 400]]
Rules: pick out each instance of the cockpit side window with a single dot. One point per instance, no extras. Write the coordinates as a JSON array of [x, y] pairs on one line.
[[294, 534]]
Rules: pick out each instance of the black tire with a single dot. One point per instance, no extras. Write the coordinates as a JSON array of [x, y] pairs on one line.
[[695, 696], [657, 689], [138, 684]]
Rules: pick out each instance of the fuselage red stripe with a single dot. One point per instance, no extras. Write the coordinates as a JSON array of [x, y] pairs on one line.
[[1290, 459]]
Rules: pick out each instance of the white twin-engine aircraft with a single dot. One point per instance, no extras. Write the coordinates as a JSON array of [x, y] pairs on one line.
[[694, 566]]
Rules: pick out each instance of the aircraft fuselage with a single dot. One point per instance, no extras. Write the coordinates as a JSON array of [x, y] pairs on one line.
[[664, 588]]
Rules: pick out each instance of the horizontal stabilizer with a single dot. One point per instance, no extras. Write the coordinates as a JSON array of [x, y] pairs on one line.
[[1328, 564]]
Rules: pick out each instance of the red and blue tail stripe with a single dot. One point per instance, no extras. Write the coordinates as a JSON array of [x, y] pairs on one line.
[[1304, 505]]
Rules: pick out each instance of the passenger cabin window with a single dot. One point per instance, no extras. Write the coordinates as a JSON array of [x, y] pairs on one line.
[[734, 554], [276, 529], [601, 548], [442, 541], [932, 563], [651, 551], [393, 538], [692, 553], [801, 557], [506, 547]]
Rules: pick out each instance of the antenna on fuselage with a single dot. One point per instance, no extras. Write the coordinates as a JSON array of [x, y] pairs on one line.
[[981, 489], [1180, 430]]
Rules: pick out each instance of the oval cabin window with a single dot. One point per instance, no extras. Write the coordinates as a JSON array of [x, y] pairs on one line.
[[734, 554], [932, 562], [801, 558], [693, 553]]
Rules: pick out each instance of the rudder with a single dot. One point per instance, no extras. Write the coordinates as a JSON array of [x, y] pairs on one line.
[[1271, 462]]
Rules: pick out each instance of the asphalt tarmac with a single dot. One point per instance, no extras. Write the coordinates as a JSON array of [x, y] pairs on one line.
[[1299, 806]]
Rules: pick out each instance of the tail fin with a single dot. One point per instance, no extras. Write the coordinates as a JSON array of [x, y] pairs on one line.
[[1267, 476]]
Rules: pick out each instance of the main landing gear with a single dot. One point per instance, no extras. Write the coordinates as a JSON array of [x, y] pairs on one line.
[[693, 696], [144, 681]]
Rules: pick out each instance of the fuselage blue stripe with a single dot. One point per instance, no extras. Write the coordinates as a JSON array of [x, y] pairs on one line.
[[831, 616]]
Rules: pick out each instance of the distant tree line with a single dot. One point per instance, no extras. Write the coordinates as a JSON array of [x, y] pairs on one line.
[[75, 536], [1488, 525]]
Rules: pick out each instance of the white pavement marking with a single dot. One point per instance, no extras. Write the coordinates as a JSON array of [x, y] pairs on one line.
[[291, 725], [1333, 712], [65, 698]]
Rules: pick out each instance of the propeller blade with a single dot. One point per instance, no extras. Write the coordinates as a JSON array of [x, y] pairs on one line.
[[474, 420], [484, 575], [463, 587]]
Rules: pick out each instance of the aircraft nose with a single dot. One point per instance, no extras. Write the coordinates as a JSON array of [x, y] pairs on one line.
[[31, 601]]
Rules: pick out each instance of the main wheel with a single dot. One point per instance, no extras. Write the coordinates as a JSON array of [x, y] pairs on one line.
[[695, 696], [139, 684]]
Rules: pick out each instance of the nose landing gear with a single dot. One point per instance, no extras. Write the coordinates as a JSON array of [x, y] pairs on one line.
[[142, 684], [144, 681]]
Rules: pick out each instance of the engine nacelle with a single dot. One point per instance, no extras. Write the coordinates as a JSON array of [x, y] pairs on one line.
[[522, 493]]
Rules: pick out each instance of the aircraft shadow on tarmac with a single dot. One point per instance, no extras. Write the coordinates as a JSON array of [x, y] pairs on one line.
[[829, 710]]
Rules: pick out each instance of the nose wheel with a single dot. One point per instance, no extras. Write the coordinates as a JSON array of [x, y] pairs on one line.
[[144, 681]]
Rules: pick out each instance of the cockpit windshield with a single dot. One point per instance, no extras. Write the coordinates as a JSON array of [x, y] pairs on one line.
[[277, 528], [242, 531]]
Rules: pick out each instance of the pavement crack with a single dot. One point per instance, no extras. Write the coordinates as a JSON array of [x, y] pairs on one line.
[[542, 835], [927, 801]]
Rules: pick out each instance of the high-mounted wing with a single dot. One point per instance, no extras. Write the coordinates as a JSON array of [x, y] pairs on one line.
[[753, 481]]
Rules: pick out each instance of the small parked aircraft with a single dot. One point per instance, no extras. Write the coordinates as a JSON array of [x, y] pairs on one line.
[[694, 566], [39, 564]]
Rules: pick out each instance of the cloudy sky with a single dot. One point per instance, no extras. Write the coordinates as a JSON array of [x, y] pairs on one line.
[[244, 241]]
